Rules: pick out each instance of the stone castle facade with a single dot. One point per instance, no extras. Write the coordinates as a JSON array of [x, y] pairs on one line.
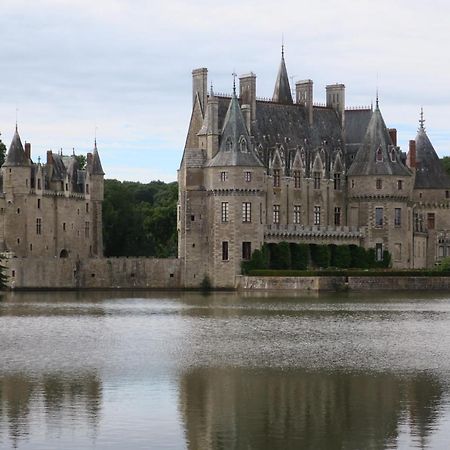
[[287, 169], [52, 209]]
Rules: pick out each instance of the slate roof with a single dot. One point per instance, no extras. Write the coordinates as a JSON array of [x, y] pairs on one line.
[[282, 91], [16, 154], [97, 168], [377, 138], [356, 123], [234, 131], [430, 174]]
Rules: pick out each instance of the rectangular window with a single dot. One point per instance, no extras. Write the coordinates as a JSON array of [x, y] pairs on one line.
[[38, 225], [86, 229], [225, 251], [246, 250], [64, 226], [316, 176], [297, 215], [378, 217], [379, 252], [87, 207], [87, 188], [353, 183], [337, 216], [430, 221], [39, 203], [337, 181], [248, 176], [379, 183], [316, 215], [223, 176], [397, 217], [276, 213], [399, 185], [246, 212], [276, 177], [297, 179], [225, 214], [447, 194]]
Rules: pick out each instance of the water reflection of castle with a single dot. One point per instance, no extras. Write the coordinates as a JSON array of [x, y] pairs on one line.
[[241, 409], [60, 399]]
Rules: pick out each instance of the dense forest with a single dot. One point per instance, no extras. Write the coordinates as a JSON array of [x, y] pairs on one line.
[[140, 219]]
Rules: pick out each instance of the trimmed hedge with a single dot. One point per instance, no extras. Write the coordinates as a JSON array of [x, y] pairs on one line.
[[293, 256], [349, 273]]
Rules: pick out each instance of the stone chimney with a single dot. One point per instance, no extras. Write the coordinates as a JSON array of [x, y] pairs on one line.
[[393, 135], [246, 112], [336, 100], [247, 93], [49, 157], [27, 150], [304, 96], [411, 158], [200, 86]]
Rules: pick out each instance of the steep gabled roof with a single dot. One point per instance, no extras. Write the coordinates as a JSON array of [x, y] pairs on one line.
[[377, 142], [282, 91], [16, 154], [97, 168], [430, 174], [236, 148]]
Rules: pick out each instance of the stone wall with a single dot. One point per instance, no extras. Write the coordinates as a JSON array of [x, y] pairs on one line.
[[393, 283], [94, 273]]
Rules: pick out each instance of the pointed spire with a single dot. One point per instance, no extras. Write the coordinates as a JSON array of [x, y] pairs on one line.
[[16, 154], [377, 103], [97, 168], [421, 121], [282, 91]]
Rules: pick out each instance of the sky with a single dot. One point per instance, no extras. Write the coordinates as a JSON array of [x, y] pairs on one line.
[[121, 69]]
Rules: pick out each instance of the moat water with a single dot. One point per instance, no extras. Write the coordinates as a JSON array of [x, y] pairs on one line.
[[187, 371]]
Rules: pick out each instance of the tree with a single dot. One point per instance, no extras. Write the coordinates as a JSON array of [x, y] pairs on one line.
[[3, 276], [81, 159], [2, 152]]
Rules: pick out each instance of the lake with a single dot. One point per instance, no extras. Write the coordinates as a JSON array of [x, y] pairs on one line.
[[173, 370]]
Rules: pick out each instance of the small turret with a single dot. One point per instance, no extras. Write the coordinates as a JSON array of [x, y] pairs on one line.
[[16, 154]]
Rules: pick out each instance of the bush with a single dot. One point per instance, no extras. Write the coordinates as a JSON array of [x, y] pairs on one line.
[[340, 256], [359, 257], [444, 266], [280, 256], [258, 261], [299, 256], [205, 285], [320, 255]]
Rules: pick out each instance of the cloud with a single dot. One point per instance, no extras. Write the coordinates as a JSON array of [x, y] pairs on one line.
[[124, 66]]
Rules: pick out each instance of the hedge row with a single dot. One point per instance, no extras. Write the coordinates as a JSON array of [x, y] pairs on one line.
[[291, 256], [348, 273]]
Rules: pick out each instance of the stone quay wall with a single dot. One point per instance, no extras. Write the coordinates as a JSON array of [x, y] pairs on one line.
[[385, 283], [93, 273]]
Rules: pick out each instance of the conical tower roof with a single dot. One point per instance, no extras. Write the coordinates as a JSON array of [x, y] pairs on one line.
[[235, 146], [16, 154], [377, 154], [430, 174], [282, 91], [97, 168]]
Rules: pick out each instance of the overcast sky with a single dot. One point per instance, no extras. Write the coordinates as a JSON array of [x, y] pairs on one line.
[[124, 67]]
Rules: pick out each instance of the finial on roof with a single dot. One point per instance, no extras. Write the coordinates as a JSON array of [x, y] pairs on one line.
[[422, 120], [234, 82], [95, 143], [17, 111], [282, 45], [377, 101], [39, 159], [212, 90], [73, 151]]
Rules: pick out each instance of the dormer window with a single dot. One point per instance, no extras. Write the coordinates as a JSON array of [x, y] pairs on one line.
[[379, 155], [243, 145], [393, 159], [228, 145]]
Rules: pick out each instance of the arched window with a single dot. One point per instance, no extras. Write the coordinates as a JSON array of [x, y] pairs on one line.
[[379, 155], [243, 145], [228, 145]]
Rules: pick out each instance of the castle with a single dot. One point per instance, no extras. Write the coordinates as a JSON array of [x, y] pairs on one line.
[[260, 171], [52, 209]]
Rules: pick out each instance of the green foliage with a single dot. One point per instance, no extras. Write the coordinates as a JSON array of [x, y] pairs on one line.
[[340, 256], [2, 152], [280, 256], [140, 219], [359, 257], [320, 255], [259, 260], [299, 256], [444, 266], [446, 163], [81, 159], [3, 276]]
